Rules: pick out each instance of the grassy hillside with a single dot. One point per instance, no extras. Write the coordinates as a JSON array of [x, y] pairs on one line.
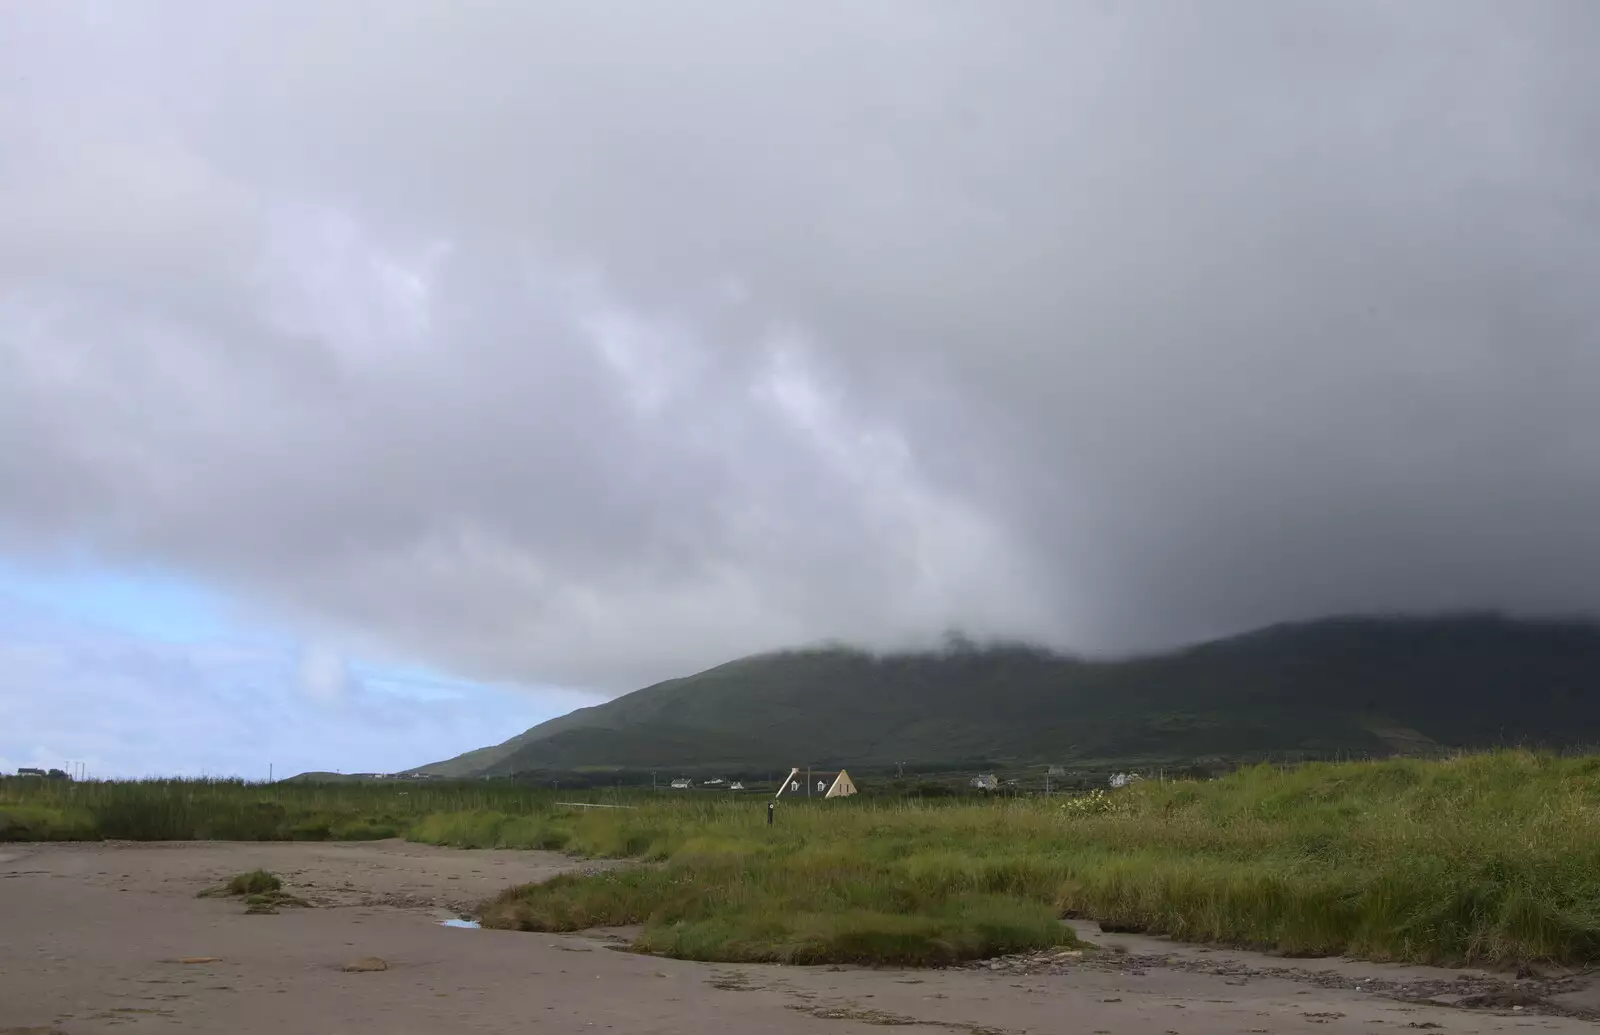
[[1360, 685]]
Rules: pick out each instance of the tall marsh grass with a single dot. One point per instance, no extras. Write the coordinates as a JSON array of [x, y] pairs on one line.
[[1482, 858], [34, 809], [1485, 858]]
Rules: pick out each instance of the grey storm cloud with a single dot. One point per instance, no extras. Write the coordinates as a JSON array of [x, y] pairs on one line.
[[589, 343]]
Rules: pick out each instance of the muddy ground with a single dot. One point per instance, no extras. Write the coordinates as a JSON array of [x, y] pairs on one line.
[[94, 938]]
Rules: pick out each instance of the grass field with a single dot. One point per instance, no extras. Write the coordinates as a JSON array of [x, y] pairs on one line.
[[231, 810], [1486, 858]]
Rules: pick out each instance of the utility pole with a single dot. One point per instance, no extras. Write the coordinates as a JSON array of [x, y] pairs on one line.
[[808, 780], [269, 772]]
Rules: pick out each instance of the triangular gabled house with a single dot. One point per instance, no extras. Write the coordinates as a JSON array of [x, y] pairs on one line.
[[824, 785], [842, 786]]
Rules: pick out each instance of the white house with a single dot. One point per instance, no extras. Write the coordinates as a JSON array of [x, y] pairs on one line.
[[682, 784]]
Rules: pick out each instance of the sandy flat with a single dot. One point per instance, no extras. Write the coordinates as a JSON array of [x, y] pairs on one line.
[[91, 937]]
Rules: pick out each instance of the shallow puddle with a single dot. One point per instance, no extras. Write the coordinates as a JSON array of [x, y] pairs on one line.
[[453, 922]]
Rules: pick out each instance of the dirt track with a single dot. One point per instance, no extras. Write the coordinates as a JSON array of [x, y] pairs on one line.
[[91, 936]]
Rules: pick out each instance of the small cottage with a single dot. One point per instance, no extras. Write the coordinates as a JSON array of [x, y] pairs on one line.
[[826, 785]]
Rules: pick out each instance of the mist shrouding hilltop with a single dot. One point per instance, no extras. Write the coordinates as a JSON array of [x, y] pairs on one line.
[[1359, 684]]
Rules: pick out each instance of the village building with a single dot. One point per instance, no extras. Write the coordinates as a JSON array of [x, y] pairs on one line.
[[822, 784]]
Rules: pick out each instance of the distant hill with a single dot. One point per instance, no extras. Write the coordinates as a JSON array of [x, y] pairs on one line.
[[317, 776], [1360, 684]]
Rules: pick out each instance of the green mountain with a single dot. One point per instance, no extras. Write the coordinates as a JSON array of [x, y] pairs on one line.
[[1361, 684]]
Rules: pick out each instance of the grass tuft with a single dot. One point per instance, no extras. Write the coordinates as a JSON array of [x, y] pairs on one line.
[[262, 892], [256, 882]]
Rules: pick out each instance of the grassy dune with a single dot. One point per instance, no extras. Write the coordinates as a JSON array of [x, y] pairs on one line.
[[1488, 858], [1483, 859]]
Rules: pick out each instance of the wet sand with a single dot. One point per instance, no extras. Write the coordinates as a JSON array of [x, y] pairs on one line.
[[91, 939]]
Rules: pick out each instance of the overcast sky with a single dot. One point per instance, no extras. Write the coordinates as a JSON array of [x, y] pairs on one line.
[[577, 344]]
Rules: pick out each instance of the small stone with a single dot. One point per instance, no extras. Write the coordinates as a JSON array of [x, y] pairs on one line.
[[365, 965]]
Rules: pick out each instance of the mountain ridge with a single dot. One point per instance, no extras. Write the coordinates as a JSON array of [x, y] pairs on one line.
[[1359, 683]]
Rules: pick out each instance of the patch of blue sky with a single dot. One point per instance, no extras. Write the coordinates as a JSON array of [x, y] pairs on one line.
[[143, 671], [420, 682], [148, 604]]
